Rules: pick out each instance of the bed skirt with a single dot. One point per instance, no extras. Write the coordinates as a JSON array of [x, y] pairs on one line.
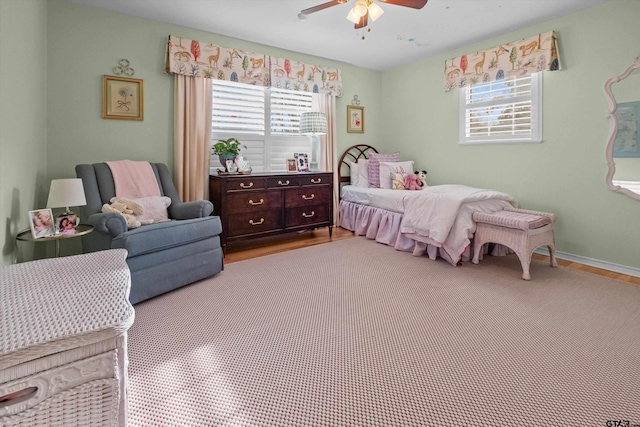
[[383, 226]]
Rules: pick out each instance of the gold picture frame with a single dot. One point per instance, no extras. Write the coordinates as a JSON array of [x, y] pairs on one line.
[[122, 98], [355, 119], [292, 165]]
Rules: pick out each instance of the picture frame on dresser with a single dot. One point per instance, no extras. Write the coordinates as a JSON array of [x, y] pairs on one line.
[[302, 162], [292, 165]]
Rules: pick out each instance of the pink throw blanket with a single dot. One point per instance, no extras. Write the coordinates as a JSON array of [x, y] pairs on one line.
[[134, 179]]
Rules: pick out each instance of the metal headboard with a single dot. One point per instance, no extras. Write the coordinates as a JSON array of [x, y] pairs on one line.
[[352, 154]]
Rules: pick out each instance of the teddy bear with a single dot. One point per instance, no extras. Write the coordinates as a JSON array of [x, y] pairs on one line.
[[412, 182], [128, 209], [422, 175]]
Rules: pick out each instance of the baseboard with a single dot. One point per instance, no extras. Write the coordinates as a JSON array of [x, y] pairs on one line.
[[605, 265]]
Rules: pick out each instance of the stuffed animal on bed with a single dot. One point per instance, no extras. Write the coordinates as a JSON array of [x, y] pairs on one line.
[[412, 182], [422, 175]]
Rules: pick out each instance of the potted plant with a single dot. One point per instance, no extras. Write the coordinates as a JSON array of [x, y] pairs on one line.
[[227, 150]]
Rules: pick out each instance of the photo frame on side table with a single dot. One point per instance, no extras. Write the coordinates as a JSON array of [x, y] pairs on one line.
[[41, 222], [355, 119], [122, 98], [66, 224]]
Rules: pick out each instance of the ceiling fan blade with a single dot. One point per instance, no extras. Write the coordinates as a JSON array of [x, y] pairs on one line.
[[415, 4], [322, 6], [364, 21]]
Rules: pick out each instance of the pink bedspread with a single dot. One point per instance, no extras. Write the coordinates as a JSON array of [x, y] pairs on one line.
[[134, 179]]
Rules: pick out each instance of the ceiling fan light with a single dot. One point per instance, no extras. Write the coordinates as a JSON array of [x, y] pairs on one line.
[[353, 17], [375, 11], [360, 8]]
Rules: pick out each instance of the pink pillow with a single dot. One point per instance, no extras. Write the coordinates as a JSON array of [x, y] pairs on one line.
[[154, 209], [374, 166]]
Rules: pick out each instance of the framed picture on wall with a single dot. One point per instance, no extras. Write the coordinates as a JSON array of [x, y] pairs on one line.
[[355, 119], [122, 98]]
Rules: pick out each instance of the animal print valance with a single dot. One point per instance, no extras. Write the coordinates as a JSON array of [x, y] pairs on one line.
[[197, 59], [294, 75], [519, 58]]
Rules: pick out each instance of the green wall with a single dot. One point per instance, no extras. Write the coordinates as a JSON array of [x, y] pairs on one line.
[[51, 116], [85, 43], [566, 173], [23, 119]]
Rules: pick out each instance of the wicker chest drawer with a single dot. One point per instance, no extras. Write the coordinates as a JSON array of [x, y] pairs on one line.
[[254, 201]]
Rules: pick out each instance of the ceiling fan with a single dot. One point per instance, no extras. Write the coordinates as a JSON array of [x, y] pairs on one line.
[[363, 9]]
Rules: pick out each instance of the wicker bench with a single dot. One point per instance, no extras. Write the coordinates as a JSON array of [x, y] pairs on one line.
[[520, 230]]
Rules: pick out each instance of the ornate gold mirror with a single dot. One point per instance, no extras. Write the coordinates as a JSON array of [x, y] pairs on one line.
[[623, 144]]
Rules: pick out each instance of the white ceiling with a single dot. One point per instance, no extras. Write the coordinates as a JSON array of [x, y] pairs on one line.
[[400, 36]]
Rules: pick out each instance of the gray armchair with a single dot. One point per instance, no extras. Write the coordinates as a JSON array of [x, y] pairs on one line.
[[162, 256]]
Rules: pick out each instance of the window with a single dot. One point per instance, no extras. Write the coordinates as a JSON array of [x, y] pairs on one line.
[[502, 111], [265, 120]]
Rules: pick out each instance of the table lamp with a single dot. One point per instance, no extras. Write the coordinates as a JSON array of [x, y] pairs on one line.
[[313, 123], [66, 192]]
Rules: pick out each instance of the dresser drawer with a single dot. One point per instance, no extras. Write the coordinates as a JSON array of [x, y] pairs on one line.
[[305, 216], [307, 196], [283, 181], [246, 183], [253, 223], [315, 179], [253, 201]]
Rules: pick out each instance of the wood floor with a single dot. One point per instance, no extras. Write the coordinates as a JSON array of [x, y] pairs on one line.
[[239, 251]]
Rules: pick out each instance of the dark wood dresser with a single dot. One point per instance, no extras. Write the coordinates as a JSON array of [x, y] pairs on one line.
[[264, 204]]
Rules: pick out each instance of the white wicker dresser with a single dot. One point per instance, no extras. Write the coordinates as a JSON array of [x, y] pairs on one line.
[[63, 341]]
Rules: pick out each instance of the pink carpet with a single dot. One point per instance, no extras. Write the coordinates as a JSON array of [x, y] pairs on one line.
[[355, 333]]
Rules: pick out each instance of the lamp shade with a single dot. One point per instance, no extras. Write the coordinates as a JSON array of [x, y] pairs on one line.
[[66, 192], [313, 123]]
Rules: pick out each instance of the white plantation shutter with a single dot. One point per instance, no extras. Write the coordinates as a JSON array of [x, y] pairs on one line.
[[265, 121], [502, 111], [237, 109], [286, 108]]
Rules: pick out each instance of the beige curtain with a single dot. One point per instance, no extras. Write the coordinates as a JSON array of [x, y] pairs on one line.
[[192, 136], [328, 160]]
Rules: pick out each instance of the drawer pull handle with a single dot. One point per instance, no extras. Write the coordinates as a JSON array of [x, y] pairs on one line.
[[283, 183], [256, 223], [252, 203], [246, 186], [18, 396], [306, 215], [316, 181], [305, 197]]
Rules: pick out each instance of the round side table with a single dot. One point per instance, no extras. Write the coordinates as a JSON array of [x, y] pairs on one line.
[[81, 230]]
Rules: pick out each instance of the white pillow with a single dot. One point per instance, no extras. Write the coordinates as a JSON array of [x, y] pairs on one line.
[[363, 171], [388, 168], [153, 208], [355, 174]]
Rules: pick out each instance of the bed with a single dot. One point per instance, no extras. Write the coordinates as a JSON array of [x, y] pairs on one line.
[[435, 221]]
